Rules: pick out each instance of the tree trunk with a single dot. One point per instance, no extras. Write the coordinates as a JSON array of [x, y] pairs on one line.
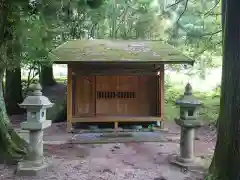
[[223, 13], [13, 91], [226, 161], [12, 148], [46, 76]]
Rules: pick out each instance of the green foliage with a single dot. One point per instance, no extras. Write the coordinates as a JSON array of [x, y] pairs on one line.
[[199, 31], [9, 49], [210, 177], [94, 3], [195, 29], [35, 40], [208, 112]]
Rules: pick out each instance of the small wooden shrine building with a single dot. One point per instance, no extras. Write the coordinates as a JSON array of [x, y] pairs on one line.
[[116, 80]]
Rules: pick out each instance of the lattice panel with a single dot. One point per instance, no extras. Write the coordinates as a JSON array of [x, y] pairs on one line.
[[118, 95]]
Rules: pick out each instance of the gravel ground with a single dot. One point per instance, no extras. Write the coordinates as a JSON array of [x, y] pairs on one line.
[[129, 161]]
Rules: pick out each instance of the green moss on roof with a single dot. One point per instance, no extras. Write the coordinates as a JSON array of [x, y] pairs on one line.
[[102, 50]]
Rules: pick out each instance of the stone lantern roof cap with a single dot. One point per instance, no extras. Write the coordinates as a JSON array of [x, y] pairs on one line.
[[188, 99], [36, 98]]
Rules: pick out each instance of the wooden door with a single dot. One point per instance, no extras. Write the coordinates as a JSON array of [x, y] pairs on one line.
[[125, 95], [116, 95], [85, 96], [106, 101], [127, 101]]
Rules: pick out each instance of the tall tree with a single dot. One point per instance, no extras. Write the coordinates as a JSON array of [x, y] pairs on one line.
[[47, 10], [12, 146], [226, 161], [13, 84], [13, 91], [46, 76]]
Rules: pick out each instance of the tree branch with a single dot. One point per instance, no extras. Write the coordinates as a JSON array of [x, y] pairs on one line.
[[199, 35], [176, 3], [212, 8], [213, 14], [207, 47], [122, 16], [211, 34], [185, 8]]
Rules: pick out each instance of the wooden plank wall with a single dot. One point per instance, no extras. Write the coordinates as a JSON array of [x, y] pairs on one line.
[[149, 93], [85, 96], [147, 96], [106, 106], [145, 103], [128, 106]]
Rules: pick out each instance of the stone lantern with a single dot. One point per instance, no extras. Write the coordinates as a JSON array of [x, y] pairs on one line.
[[188, 121], [36, 105]]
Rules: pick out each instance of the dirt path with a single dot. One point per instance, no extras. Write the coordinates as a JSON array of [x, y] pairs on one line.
[[130, 161]]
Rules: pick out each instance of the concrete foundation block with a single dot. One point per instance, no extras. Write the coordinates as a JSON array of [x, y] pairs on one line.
[[28, 168], [186, 163]]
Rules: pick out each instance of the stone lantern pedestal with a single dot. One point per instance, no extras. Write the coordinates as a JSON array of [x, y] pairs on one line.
[[36, 105], [188, 122]]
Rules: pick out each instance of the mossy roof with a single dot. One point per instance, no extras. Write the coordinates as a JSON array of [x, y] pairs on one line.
[[103, 50]]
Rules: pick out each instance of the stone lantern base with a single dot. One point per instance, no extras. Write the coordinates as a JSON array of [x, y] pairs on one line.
[[186, 163], [29, 168]]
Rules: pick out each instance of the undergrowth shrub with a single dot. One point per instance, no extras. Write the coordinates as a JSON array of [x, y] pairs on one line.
[[208, 111]]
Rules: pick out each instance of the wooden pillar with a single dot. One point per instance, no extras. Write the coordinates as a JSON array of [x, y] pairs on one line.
[[94, 98], [69, 99], [115, 125], [161, 95], [74, 89]]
